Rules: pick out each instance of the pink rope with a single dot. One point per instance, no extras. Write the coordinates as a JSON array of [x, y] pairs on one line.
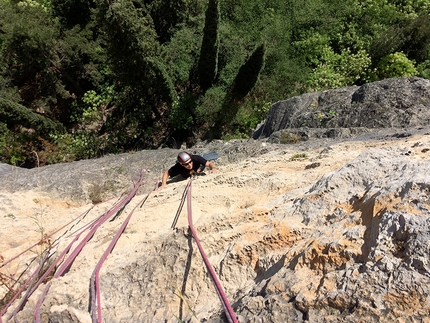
[[39, 303], [231, 316], [50, 269], [95, 282], [96, 313], [31, 247], [27, 282], [94, 225], [90, 234], [34, 287]]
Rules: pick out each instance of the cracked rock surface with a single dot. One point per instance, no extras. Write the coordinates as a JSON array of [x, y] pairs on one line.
[[333, 227], [340, 233]]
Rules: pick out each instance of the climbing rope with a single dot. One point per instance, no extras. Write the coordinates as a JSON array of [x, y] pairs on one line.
[[93, 228], [52, 267], [184, 196], [32, 287], [40, 275], [96, 313], [231, 316], [30, 282]]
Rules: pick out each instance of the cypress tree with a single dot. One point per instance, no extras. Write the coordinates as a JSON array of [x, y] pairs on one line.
[[242, 84], [141, 77], [248, 73], [208, 61]]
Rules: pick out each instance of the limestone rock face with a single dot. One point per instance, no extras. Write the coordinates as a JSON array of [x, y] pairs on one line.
[[323, 230], [344, 112]]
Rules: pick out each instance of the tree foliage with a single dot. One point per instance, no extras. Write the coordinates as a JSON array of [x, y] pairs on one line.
[[248, 73], [135, 74], [208, 61], [73, 12], [395, 65], [12, 113], [168, 15]]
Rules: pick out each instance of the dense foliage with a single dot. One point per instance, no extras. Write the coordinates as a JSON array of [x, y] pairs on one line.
[[81, 78]]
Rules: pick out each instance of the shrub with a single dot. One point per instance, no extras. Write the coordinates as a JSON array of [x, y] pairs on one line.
[[299, 156], [396, 65], [289, 138], [70, 147], [12, 146]]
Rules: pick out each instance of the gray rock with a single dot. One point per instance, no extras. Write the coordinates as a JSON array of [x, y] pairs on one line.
[[390, 103], [5, 168], [112, 174], [351, 245]]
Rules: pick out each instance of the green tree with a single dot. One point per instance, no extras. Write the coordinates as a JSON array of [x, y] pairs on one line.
[[130, 38], [73, 12], [248, 73], [417, 38], [29, 36], [168, 15], [338, 70], [208, 61], [134, 72], [14, 114], [411, 36], [51, 67], [244, 81], [145, 89]]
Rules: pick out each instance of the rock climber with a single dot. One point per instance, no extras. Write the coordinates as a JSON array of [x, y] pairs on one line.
[[186, 166]]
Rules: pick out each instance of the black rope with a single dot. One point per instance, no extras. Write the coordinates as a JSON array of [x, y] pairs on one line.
[[184, 195]]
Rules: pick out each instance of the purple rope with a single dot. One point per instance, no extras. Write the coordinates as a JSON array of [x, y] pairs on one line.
[[31, 247], [36, 313], [50, 269], [96, 313], [231, 316], [27, 282], [98, 223], [32, 287], [39, 303], [94, 225]]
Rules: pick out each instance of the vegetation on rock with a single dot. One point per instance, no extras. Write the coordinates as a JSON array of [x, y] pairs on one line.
[[79, 79]]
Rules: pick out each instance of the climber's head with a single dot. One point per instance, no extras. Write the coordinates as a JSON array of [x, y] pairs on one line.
[[184, 159]]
